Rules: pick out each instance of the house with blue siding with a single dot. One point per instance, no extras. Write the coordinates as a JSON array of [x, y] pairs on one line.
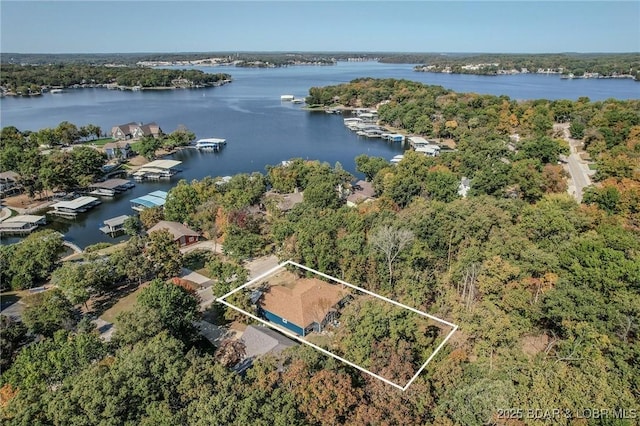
[[302, 306]]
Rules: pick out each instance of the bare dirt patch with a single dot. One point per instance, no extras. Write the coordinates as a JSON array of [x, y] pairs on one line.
[[23, 201], [533, 345]]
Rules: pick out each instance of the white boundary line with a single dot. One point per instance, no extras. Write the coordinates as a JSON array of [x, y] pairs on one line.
[[324, 351]]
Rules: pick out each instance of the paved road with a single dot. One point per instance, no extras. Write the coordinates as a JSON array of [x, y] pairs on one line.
[[576, 167]]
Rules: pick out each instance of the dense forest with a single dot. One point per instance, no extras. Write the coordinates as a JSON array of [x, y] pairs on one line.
[[30, 79], [546, 291], [605, 65]]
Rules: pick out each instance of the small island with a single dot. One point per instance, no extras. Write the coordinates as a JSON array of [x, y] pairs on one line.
[[34, 80]]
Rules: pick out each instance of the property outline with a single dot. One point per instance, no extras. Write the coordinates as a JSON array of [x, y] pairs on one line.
[[282, 265]]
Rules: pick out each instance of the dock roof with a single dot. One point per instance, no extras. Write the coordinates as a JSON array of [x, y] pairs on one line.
[[211, 140], [78, 203], [116, 221], [161, 164], [110, 184], [153, 199], [24, 218]]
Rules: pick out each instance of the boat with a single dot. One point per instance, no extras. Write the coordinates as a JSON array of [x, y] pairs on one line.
[[210, 144], [56, 91], [286, 98], [298, 100]]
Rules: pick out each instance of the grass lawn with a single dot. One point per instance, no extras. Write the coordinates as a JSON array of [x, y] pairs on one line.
[[593, 166], [100, 142], [123, 305]]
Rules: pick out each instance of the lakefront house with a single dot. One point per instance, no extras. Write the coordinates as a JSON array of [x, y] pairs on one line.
[[135, 131]]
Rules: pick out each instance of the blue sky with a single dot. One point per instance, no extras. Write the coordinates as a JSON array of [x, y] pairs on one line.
[[391, 26]]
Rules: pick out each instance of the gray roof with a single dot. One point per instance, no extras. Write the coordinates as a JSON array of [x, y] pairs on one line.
[[116, 221], [262, 340]]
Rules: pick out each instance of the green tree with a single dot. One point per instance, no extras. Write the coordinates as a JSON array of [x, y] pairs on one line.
[[322, 192], [147, 147], [177, 308], [34, 258], [141, 323], [67, 133], [12, 336], [227, 274], [370, 166], [132, 226], [241, 243], [182, 202], [164, 255], [48, 312]]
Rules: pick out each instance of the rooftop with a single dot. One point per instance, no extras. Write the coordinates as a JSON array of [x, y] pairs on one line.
[[303, 301], [161, 164], [178, 230], [74, 204]]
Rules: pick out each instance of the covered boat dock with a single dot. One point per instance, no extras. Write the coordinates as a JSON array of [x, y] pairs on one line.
[[156, 170], [73, 207], [114, 225], [22, 224], [153, 199], [110, 187], [210, 144]]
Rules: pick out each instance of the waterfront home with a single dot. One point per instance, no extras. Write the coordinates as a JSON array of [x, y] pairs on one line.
[[110, 187], [156, 170], [74, 207], [114, 225], [9, 183], [285, 202], [119, 149], [152, 199], [182, 235], [361, 192], [21, 224], [302, 306], [135, 131]]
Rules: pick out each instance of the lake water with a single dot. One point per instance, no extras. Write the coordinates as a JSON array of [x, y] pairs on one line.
[[259, 129]]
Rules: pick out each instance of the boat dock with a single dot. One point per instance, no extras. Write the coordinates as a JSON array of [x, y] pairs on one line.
[[156, 170], [110, 187], [74, 207], [153, 199], [210, 144], [114, 225], [22, 224]]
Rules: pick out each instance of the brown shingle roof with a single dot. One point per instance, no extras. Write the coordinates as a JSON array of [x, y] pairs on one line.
[[176, 229], [307, 301]]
